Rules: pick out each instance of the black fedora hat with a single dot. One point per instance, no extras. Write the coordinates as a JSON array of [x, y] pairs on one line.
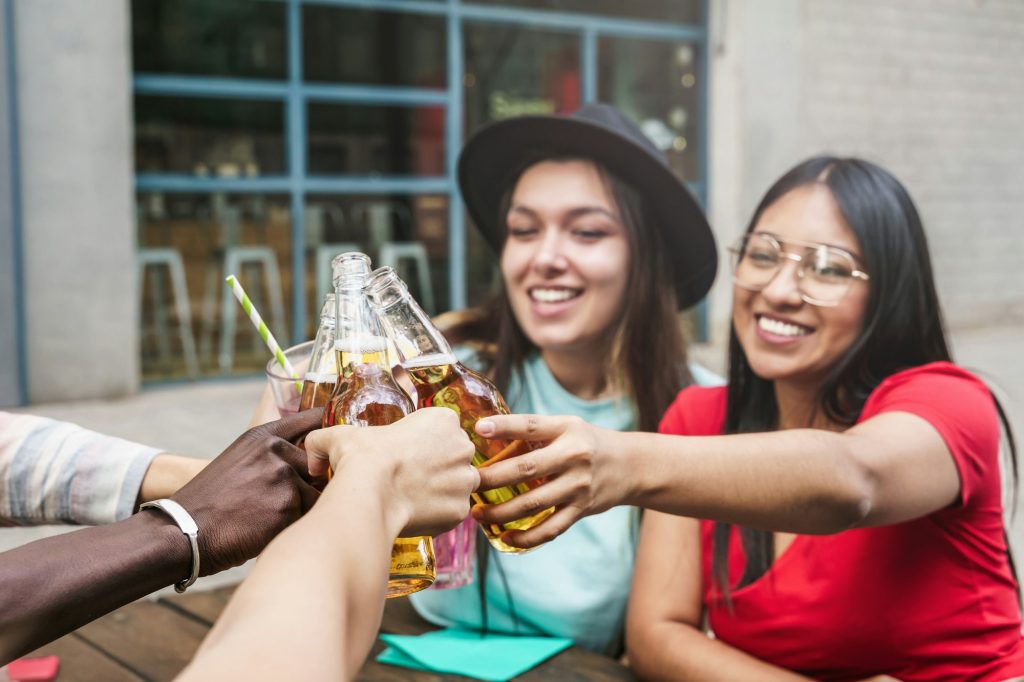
[[495, 156]]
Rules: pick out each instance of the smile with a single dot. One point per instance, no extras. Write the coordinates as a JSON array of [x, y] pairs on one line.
[[553, 294], [780, 328]]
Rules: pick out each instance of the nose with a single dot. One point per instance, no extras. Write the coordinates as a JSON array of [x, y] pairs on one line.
[[784, 288], [550, 257]]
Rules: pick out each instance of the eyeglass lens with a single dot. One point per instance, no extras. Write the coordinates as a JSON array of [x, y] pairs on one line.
[[824, 273]]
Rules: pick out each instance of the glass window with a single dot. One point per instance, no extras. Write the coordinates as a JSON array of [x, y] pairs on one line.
[[349, 45], [407, 232], [679, 11], [384, 140], [655, 84], [198, 235], [232, 38], [511, 71], [222, 137]]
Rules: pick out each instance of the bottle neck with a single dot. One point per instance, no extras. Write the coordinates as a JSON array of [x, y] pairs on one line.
[[359, 340], [322, 367], [418, 341]]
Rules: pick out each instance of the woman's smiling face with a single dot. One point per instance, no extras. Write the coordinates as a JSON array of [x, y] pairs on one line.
[[565, 261], [784, 337]]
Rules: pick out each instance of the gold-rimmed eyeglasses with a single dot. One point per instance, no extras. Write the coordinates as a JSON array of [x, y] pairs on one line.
[[824, 273]]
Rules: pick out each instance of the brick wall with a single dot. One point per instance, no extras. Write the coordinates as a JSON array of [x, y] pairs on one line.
[[933, 90]]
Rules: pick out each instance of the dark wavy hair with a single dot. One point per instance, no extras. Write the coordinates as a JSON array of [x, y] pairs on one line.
[[902, 325], [649, 368]]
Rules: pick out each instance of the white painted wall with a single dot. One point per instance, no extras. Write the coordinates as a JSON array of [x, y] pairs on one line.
[[74, 80]]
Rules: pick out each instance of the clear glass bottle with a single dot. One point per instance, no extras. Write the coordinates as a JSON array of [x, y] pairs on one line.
[[442, 381], [322, 374], [368, 395]]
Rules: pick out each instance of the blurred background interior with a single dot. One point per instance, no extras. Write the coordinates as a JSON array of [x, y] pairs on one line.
[[153, 146]]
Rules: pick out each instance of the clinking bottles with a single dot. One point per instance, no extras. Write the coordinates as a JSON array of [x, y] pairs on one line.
[[368, 395], [443, 381], [322, 374]]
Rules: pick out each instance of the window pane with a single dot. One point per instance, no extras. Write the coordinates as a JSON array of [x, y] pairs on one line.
[[225, 137], [407, 232], [234, 38], [349, 45], [679, 11], [201, 234], [385, 140], [655, 84], [511, 71]]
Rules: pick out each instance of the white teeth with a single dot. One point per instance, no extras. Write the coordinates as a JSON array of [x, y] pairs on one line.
[[551, 295], [779, 328]]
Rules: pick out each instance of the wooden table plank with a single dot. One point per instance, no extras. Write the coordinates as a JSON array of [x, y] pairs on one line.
[[80, 662], [204, 606], [147, 637], [156, 640]]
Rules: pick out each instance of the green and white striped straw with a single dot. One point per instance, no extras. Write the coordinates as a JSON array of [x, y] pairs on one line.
[[262, 330]]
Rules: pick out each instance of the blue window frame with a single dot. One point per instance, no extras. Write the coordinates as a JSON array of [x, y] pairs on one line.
[[296, 94]]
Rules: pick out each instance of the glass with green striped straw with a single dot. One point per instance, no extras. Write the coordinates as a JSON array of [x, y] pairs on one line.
[[280, 358]]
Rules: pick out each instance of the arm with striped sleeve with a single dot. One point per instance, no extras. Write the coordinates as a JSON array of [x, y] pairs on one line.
[[56, 472]]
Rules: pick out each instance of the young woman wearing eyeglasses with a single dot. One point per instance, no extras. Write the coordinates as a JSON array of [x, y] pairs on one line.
[[853, 515]]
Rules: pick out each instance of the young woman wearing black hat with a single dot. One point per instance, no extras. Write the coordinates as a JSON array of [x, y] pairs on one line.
[[601, 245], [855, 513]]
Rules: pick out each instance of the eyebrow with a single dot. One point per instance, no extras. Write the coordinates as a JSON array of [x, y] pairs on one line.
[[572, 214], [798, 242]]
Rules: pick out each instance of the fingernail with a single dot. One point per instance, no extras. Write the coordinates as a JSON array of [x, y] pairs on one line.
[[476, 511], [485, 427]]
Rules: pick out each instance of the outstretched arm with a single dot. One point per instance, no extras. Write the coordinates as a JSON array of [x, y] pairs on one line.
[[240, 501], [890, 468], [311, 608]]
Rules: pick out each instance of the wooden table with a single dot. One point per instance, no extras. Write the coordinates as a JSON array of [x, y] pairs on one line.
[[154, 640]]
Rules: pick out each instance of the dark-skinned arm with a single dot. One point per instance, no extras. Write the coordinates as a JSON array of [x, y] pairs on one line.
[[240, 501]]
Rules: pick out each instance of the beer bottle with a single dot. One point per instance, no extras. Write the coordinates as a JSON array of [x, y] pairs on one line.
[[443, 381], [368, 395], [322, 374]]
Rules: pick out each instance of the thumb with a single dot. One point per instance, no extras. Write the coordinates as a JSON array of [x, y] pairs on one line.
[[318, 448]]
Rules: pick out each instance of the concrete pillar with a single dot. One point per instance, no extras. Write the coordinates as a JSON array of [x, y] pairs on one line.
[[78, 225]]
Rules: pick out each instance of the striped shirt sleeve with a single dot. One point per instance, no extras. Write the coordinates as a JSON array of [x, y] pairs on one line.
[[56, 472]]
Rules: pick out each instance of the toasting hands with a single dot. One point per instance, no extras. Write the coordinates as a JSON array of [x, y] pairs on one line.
[[582, 477], [424, 459], [250, 492]]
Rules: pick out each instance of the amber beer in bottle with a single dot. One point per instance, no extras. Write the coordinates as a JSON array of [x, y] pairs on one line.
[[322, 375], [442, 381], [368, 395]]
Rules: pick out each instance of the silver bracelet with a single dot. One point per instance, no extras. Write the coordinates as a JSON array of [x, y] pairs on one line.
[[188, 526]]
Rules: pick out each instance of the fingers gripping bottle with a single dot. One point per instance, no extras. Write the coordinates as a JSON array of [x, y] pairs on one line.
[[368, 395], [322, 374], [442, 381]]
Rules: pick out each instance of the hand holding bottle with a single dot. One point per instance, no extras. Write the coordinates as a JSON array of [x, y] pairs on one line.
[[581, 473], [423, 458], [250, 492]]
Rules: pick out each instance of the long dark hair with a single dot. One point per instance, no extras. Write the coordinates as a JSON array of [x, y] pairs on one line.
[[902, 325], [639, 358], [649, 368]]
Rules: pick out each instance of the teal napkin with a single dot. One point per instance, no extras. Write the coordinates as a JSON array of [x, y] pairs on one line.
[[495, 658]]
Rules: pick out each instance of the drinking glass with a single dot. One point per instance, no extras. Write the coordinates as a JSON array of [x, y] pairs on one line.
[[455, 555], [287, 389]]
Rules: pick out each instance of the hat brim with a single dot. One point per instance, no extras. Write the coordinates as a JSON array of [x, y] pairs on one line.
[[494, 158]]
